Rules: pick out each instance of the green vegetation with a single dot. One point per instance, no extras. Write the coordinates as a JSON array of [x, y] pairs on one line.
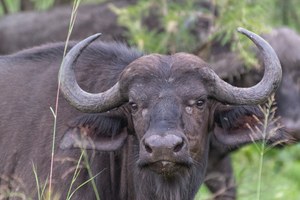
[[246, 14], [280, 174], [12, 6], [17, 5], [171, 35]]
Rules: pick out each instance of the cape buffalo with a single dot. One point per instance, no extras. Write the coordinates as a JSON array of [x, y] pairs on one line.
[[152, 119]]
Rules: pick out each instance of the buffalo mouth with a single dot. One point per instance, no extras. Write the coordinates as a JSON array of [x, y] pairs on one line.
[[165, 167]]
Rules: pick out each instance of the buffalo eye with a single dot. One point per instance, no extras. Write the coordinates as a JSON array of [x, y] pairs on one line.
[[133, 106], [200, 103]]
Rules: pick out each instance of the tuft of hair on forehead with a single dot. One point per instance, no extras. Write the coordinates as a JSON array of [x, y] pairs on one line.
[[157, 64], [187, 60]]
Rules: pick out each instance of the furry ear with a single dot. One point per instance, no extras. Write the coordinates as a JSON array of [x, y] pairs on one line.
[[103, 132], [235, 126]]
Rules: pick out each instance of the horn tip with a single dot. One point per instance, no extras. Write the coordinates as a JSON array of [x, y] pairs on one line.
[[95, 36], [245, 32], [92, 38], [241, 30]]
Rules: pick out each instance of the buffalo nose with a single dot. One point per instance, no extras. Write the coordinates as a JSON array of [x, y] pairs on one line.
[[171, 143]]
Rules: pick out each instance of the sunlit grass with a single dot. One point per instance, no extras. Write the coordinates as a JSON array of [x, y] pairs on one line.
[[40, 188], [83, 159], [279, 179]]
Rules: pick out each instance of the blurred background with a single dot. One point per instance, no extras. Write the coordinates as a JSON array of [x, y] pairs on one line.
[[206, 28]]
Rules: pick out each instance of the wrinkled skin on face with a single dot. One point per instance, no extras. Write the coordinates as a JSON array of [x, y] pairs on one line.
[[171, 118]]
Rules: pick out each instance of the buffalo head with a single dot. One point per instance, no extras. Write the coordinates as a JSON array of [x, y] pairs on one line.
[[172, 104]]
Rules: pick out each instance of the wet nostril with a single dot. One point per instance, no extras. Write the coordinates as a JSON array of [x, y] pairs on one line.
[[148, 148], [178, 146]]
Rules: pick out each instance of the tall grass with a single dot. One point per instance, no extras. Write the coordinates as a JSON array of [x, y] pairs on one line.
[[40, 190], [83, 155], [71, 25], [266, 133], [75, 175]]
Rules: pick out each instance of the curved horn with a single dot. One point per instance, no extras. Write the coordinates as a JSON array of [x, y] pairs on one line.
[[84, 101], [258, 93]]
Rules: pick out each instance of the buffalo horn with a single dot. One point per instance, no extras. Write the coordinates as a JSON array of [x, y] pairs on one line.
[[252, 95], [84, 101]]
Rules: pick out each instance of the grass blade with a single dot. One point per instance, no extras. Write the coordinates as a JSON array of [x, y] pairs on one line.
[[72, 21]]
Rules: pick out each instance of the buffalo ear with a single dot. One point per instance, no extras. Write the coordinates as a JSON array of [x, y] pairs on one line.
[[233, 124], [102, 132]]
